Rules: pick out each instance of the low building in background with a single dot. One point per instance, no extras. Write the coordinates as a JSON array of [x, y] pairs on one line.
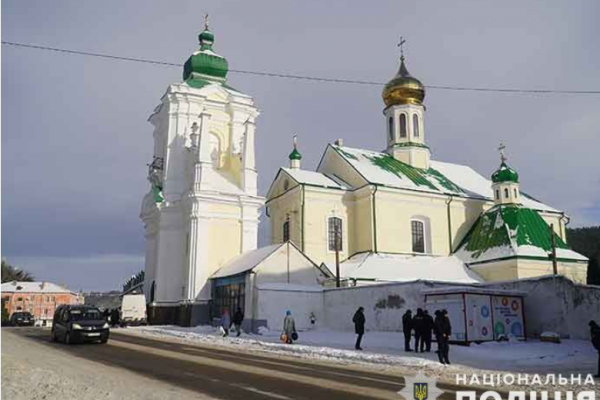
[[38, 298]]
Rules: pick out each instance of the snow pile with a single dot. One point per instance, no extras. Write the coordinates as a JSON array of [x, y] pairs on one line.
[[246, 261], [383, 267]]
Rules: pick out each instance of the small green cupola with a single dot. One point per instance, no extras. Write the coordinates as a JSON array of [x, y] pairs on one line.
[[295, 156], [205, 65], [505, 174], [505, 182]]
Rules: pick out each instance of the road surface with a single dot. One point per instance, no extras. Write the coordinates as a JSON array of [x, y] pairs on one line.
[[153, 368]]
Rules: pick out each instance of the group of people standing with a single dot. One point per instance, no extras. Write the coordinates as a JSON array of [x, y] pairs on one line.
[[424, 327]]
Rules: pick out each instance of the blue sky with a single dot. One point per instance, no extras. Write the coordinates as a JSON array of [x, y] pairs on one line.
[[75, 136]]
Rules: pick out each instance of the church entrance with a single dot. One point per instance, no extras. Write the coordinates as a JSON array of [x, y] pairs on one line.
[[228, 294]]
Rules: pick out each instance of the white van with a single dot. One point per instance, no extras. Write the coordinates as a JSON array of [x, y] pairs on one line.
[[133, 310]]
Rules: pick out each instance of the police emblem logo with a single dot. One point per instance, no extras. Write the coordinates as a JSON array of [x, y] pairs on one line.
[[420, 387]]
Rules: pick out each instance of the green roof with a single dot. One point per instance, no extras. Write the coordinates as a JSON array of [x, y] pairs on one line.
[[505, 174], [507, 231]]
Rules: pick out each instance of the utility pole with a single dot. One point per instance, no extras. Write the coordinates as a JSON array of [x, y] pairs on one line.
[[554, 262], [337, 254], [288, 262]]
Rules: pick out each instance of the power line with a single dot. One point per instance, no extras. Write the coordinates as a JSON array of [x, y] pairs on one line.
[[300, 77]]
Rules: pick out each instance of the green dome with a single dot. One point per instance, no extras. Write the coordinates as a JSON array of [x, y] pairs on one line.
[[505, 174], [206, 62], [295, 155]]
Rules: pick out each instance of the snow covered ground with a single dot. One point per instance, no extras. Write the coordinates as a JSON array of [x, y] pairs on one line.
[[385, 349]]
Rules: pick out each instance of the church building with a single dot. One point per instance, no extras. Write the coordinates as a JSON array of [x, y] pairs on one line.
[[399, 215], [389, 216]]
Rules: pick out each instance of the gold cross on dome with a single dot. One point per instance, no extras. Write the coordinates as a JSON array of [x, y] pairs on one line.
[[206, 21], [401, 45], [501, 150]]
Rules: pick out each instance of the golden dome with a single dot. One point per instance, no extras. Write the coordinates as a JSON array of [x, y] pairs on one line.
[[403, 88]]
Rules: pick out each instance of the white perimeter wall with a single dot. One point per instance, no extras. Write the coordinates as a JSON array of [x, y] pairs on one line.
[[551, 304]]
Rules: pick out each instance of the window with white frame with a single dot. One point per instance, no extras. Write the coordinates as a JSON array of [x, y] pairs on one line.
[[415, 125], [402, 125], [335, 234], [418, 236]]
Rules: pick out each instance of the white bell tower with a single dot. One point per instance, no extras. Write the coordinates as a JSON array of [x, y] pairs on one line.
[[203, 208]]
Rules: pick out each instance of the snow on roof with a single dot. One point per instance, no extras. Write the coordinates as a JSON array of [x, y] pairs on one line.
[[32, 287], [447, 178], [315, 178], [402, 268], [246, 261], [512, 231]]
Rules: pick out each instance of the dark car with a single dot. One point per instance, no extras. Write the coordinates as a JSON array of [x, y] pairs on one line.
[[22, 318], [78, 324]]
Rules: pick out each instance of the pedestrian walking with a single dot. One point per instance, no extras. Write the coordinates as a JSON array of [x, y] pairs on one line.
[[238, 318], [225, 323], [359, 326], [443, 330], [418, 324], [428, 329], [407, 329], [595, 336], [115, 316], [289, 327]]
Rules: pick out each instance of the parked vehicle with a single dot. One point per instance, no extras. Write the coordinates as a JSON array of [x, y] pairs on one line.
[[133, 310], [78, 323], [21, 318]]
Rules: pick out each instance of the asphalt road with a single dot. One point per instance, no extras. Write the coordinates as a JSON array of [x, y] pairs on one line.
[[226, 374]]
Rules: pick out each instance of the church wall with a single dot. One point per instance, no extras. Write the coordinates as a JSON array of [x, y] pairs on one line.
[[320, 204], [396, 209], [224, 235], [361, 222], [523, 269], [555, 219], [274, 269], [290, 204], [463, 214]]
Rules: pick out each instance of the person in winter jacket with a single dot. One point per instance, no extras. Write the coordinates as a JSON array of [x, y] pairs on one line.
[[428, 329], [289, 326], [418, 323], [225, 323], [238, 318], [115, 317], [443, 330], [595, 336], [359, 326], [407, 329]]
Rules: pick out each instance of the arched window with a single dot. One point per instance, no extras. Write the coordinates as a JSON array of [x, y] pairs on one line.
[[415, 125], [335, 232], [497, 194], [506, 193], [418, 236], [391, 128], [286, 231], [515, 192], [402, 125]]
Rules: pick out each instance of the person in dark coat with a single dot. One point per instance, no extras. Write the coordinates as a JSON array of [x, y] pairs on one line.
[[427, 329], [238, 318], [359, 326], [407, 327], [443, 330], [595, 336], [418, 324], [115, 316]]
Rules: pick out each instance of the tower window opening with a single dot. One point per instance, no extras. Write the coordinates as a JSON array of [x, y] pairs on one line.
[[497, 194], [415, 125], [402, 125], [391, 128], [286, 231], [505, 193], [515, 192], [418, 237], [335, 234]]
